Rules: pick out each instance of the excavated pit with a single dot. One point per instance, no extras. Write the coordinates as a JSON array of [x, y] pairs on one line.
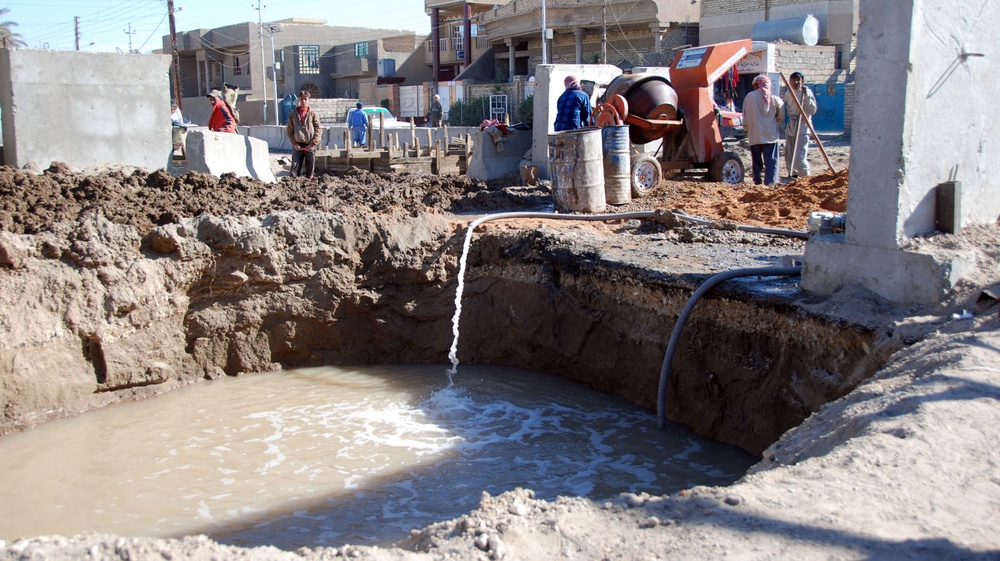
[[124, 284]]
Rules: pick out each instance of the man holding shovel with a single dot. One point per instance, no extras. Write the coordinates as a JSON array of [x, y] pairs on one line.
[[797, 131]]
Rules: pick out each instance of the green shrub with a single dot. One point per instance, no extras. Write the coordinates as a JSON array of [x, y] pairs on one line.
[[526, 110], [469, 113]]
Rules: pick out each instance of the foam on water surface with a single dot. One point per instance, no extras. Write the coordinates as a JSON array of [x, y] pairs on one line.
[[328, 456]]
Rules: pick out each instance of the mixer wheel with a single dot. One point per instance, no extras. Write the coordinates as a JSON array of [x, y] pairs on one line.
[[728, 168], [646, 175]]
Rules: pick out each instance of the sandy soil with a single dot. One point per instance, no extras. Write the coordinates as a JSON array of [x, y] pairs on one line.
[[904, 467]]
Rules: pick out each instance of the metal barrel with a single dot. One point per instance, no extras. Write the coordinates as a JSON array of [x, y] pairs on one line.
[[576, 163], [617, 165]]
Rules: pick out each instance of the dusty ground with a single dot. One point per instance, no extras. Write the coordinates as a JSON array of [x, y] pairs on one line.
[[904, 467]]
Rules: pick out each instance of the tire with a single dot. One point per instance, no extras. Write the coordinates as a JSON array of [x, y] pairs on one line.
[[727, 168], [646, 175]]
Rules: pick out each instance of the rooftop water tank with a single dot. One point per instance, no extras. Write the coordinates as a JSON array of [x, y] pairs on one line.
[[803, 31], [386, 67]]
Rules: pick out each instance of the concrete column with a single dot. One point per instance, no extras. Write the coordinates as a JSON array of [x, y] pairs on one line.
[[510, 64], [657, 37], [903, 147], [578, 35]]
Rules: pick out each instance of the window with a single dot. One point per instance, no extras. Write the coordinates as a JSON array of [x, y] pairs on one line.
[[237, 69], [361, 50], [457, 38], [308, 59], [215, 71]]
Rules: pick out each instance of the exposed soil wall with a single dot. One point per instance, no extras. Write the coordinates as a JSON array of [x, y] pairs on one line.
[[751, 364], [94, 313]]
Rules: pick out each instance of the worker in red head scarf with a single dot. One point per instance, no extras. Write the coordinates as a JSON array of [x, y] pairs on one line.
[[761, 114], [573, 107]]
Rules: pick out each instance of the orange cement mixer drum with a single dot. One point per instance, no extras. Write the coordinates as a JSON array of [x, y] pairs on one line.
[[648, 96]]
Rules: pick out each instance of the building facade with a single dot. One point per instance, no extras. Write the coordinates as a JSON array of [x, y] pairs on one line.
[[625, 33], [267, 61], [727, 20]]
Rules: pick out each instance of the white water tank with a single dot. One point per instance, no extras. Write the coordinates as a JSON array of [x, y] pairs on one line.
[[386, 67], [803, 31]]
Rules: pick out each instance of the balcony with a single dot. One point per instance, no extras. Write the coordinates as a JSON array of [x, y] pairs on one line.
[[451, 48]]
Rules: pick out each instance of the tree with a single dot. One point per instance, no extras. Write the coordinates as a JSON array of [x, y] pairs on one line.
[[7, 37]]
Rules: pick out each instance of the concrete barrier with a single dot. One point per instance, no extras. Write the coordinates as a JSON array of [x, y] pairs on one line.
[[218, 153], [84, 109], [493, 160], [333, 135]]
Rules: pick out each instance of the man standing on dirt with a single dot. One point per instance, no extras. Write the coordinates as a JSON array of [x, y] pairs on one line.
[[797, 130], [573, 107], [436, 113], [304, 131], [358, 123], [221, 119], [761, 114]]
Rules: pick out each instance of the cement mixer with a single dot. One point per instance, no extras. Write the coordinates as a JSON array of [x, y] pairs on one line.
[[680, 112]]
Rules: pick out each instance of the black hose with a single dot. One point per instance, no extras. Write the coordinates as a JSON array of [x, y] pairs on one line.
[[675, 335]]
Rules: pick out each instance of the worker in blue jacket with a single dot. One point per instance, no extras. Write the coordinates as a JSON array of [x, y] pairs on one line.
[[358, 122], [573, 107]]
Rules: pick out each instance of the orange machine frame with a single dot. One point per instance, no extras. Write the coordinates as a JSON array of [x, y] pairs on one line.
[[692, 75]]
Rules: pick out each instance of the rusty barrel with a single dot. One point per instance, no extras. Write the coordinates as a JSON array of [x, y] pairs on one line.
[[617, 165], [576, 164]]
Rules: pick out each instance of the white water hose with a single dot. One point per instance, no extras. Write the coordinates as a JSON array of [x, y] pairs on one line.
[[463, 261]]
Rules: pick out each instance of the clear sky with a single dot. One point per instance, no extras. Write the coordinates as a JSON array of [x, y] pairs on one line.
[[105, 24]]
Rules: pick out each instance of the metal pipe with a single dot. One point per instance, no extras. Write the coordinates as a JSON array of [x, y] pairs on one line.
[[675, 334]]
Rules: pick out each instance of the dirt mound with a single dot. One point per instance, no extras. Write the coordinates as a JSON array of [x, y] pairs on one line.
[[785, 206], [31, 202]]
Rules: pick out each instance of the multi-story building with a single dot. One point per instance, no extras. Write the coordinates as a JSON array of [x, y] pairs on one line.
[[725, 20], [386, 60], [267, 61], [625, 33], [456, 40]]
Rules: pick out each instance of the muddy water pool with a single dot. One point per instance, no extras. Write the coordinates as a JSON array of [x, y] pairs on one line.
[[330, 456]]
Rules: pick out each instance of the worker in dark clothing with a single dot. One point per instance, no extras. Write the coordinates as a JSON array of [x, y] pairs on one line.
[[573, 107]]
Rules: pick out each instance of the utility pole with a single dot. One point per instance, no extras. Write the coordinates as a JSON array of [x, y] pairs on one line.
[[130, 33], [76, 31], [604, 33], [175, 60], [263, 69], [271, 29], [545, 35]]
